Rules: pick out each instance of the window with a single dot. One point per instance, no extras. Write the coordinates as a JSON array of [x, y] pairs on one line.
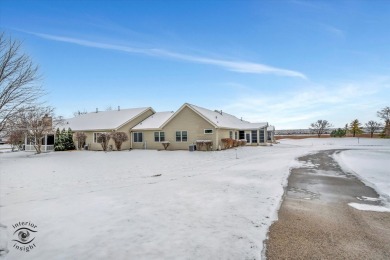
[[181, 136], [261, 135], [95, 137], [159, 136], [231, 134], [138, 137], [254, 136], [235, 135], [208, 131], [241, 134]]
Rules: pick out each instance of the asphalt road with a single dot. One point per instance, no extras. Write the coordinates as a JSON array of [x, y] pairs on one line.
[[316, 222]]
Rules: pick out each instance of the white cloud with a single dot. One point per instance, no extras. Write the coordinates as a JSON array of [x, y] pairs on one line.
[[236, 66], [339, 104]]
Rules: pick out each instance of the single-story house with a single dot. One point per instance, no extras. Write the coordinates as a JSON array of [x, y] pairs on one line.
[[193, 124], [190, 125], [121, 120]]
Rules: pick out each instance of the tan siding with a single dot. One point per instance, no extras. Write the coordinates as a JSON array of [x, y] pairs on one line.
[[188, 120], [125, 128], [148, 136], [185, 120], [225, 133]]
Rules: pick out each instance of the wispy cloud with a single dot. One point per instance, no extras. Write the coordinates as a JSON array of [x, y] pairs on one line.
[[335, 31], [236, 66], [338, 103]]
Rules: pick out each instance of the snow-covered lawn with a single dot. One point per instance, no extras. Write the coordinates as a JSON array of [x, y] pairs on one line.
[[149, 204], [372, 166]]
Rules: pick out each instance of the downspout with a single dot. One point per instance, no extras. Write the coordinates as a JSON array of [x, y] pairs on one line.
[[131, 140], [216, 139]]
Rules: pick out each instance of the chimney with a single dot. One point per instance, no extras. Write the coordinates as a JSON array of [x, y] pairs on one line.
[[221, 112], [97, 110], [241, 118], [119, 108]]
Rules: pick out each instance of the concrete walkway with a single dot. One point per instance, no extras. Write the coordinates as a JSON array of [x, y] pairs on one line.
[[316, 222]]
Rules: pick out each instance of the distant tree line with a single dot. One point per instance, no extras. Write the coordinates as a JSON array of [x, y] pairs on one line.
[[355, 127]]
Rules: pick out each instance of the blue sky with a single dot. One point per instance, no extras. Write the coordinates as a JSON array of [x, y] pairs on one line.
[[285, 62]]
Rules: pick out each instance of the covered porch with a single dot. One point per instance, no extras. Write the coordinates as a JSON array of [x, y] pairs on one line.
[[47, 143], [254, 136]]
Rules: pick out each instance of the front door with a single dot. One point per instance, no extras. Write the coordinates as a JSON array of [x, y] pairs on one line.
[[241, 134]]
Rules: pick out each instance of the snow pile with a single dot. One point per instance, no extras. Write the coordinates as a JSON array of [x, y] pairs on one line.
[[372, 166], [367, 207]]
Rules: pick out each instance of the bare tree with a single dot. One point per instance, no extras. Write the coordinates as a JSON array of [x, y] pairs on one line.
[[79, 113], [320, 127], [372, 126], [80, 137], [103, 139], [16, 139], [385, 115], [119, 138], [18, 81], [36, 122]]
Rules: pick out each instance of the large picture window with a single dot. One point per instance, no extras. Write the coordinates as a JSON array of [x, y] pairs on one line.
[[254, 136], [138, 137], [181, 136], [261, 135], [159, 136]]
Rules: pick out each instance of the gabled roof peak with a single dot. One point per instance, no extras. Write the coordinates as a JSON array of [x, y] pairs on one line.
[[105, 120]]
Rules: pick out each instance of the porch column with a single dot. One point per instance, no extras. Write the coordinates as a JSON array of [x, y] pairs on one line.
[[258, 136], [45, 142]]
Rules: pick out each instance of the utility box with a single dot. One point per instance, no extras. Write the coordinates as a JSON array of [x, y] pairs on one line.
[[192, 148]]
